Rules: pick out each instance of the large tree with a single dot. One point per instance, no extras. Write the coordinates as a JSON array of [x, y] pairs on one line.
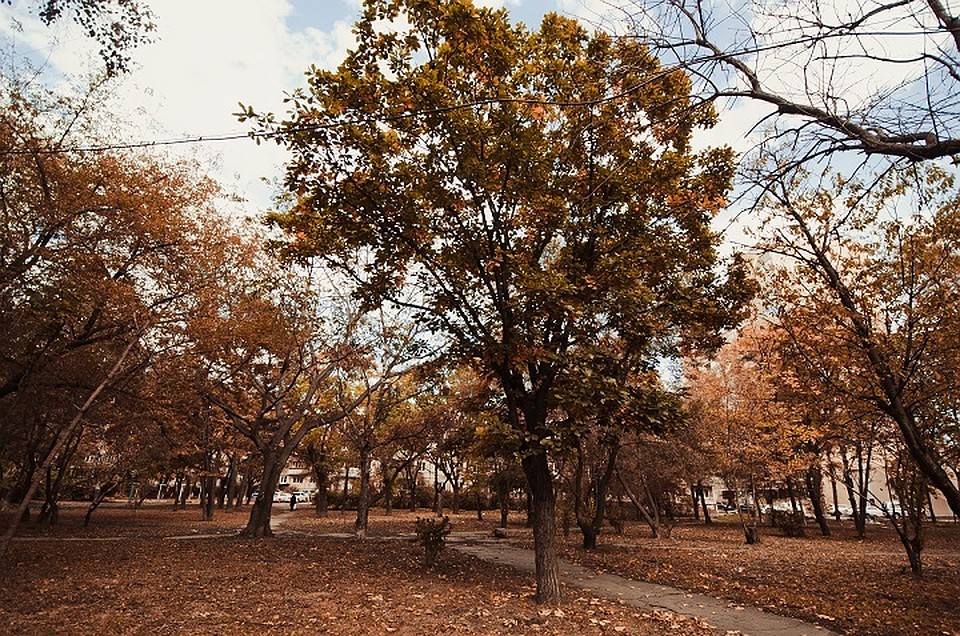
[[529, 191], [100, 257]]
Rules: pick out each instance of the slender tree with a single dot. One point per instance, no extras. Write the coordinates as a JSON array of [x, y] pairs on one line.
[[871, 268]]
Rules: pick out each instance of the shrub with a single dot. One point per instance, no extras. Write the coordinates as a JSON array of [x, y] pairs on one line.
[[432, 535], [791, 523]]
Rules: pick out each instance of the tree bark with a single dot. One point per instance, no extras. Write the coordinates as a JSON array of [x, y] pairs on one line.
[[363, 499], [543, 510], [323, 489], [258, 525], [99, 499], [703, 503], [814, 479], [591, 524], [208, 484], [652, 517]]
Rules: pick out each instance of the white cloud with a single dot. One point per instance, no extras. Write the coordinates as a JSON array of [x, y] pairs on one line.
[[205, 58]]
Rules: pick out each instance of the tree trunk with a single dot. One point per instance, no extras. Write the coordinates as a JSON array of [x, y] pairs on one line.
[[185, 492], [696, 502], [363, 499], [596, 492], [388, 494], [437, 494], [455, 501], [651, 517], [258, 525], [346, 488], [62, 438], [101, 496], [933, 514], [792, 493], [543, 508], [756, 501], [412, 483], [703, 503], [208, 484], [230, 491], [814, 480], [323, 490], [833, 489]]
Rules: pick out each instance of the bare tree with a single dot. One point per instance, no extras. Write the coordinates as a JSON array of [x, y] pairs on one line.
[[877, 77]]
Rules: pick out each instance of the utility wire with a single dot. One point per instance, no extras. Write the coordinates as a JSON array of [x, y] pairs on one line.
[[270, 134]]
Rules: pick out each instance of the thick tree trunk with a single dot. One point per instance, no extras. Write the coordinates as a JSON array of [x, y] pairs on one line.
[[258, 525], [323, 490], [543, 509]]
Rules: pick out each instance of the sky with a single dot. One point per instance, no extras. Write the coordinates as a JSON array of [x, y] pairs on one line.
[[209, 55]]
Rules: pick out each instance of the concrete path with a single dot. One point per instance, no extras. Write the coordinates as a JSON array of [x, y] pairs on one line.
[[723, 615]]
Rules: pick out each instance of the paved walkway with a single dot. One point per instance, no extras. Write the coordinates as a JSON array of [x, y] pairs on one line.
[[723, 615]]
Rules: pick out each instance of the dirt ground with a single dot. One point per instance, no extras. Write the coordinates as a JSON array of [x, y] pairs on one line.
[[154, 570], [122, 576]]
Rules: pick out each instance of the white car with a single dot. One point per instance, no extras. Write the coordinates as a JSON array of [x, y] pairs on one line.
[[281, 497]]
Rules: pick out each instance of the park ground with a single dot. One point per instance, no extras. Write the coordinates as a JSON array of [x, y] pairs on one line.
[[154, 570]]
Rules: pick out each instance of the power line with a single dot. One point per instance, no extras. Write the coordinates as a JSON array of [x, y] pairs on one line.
[[270, 134]]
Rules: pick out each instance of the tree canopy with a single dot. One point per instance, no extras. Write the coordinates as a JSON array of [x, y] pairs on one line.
[[525, 192]]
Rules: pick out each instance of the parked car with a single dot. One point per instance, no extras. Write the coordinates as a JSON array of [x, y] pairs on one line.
[[281, 497], [303, 496], [779, 506]]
